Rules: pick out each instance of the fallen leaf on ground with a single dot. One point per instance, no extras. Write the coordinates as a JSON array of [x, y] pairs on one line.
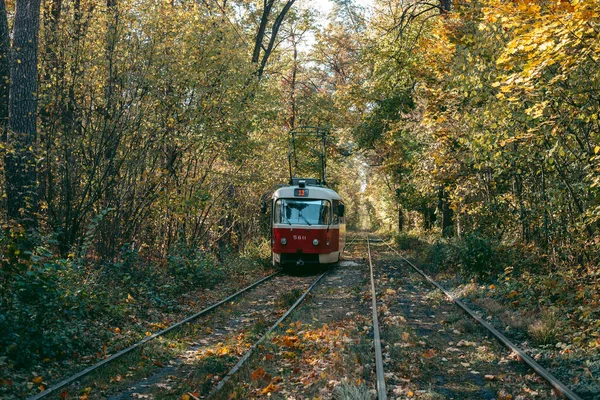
[[270, 389], [257, 374], [429, 353]]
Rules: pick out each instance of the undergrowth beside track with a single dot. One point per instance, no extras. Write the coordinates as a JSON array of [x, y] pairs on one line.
[[64, 314]]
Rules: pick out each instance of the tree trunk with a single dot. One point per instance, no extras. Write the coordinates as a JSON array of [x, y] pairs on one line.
[[292, 120], [4, 70], [445, 6], [274, 31], [264, 19], [428, 217], [446, 213], [400, 219], [21, 174]]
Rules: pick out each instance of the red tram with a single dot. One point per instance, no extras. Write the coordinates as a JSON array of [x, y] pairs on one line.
[[308, 224]]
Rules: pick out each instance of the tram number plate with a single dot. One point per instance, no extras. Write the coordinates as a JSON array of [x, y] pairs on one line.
[[300, 237]]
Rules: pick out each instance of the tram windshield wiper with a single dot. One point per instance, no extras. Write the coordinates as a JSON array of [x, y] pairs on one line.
[[305, 220]]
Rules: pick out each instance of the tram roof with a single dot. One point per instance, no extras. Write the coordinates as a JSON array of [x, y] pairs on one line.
[[314, 192]]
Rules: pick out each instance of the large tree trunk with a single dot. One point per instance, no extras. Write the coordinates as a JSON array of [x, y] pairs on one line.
[[4, 70], [21, 176]]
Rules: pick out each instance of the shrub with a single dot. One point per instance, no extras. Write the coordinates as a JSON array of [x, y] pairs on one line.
[[407, 241], [442, 254], [193, 270], [477, 255]]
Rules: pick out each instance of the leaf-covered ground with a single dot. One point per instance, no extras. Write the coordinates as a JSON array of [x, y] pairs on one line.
[[431, 349]]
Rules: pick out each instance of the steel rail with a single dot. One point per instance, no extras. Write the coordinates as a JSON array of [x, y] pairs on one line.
[[142, 342], [381, 389], [247, 355], [348, 245], [560, 387]]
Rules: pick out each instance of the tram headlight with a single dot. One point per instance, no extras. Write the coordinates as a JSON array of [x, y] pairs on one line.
[[316, 242], [283, 241]]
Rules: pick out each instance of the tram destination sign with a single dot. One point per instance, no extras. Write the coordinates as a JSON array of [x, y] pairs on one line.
[[300, 192]]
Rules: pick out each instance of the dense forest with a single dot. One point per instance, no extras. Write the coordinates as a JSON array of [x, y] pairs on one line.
[[139, 137]]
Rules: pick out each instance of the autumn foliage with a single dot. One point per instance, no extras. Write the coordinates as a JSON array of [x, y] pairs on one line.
[[499, 135]]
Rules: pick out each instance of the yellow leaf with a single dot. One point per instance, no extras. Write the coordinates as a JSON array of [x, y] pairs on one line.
[[37, 379], [270, 389], [185, 397]]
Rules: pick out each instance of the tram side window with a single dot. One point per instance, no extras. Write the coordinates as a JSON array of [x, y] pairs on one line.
[[336, 217]]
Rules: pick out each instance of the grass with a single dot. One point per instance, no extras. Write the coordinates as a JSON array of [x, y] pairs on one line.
[[431, 395], [259, 327], [466, 325], [453, 317], [348, 391], [200, 379], [132, 367], [287, 299], [545, 330], [436, 295]]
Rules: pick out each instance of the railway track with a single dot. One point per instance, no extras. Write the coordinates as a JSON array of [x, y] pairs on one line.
[[415, 317], [65, 382], [394, 336], [379, 372], [247, 355], [249, 309], [297, 359]]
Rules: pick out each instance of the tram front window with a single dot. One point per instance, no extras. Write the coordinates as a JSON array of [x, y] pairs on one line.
[[302, 212]]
